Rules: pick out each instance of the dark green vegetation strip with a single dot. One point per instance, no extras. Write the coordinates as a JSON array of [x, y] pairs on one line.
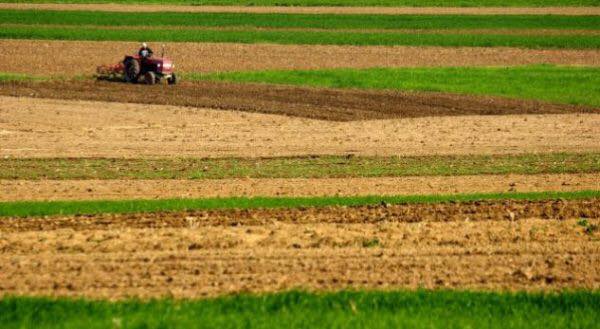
[[568, 85], [298, 167], [320, 21], [48, 208], [348, 3], [399, 309], [301, 37]]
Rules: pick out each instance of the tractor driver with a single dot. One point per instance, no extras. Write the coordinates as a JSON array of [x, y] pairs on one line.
[[145, 51]]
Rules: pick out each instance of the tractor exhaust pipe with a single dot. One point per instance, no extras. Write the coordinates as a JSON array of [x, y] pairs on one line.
[[163, 50]]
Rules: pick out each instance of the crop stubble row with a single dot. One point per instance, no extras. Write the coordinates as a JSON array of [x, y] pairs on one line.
[[19, 190], [484, 245]]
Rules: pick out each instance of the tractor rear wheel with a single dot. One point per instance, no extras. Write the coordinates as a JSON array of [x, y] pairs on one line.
[[150, 78], [172, 80], [132, 70]]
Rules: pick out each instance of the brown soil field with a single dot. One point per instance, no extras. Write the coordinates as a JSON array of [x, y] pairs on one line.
[[488, 245], [504, 245], [312, 103], [17, 190], [315, 10], [59, 128], [82, 57]]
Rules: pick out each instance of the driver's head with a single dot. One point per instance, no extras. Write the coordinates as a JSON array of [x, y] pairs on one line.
[[144, 45]]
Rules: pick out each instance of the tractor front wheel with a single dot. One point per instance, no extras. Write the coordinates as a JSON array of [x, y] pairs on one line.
[[150, 78]]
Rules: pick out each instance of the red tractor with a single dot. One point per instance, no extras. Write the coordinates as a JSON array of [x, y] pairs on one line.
[[152, 69], [149, 70]]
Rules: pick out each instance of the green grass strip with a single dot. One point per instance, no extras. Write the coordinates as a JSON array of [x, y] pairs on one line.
[[4, 77], [301, 37], [356, 309], [298, 167], [345, 3], [568, 85], [319, 21], [48, 208]]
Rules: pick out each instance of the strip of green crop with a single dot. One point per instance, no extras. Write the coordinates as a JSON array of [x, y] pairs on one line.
[[298, 167], [4, 77], [302, 37], [318, 21], [48, 208], [344, 3], [356, 309], [568, 85]]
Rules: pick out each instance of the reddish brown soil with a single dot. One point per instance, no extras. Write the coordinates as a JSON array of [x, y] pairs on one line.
[[82, 57], [315, 10], [14, 190], [313, 103], [58, 128], [485, 245]]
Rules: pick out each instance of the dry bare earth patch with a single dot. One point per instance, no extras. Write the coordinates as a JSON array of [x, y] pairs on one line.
[[480, 245], [57, 128], [82, 57]]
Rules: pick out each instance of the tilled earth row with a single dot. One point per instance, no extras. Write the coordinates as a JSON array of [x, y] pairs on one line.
[[313, 103], [403, 213], [82, 57], [126, 189], [60, 128], [541, 246]]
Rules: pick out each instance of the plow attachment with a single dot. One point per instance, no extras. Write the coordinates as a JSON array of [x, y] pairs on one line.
[[110, 72]]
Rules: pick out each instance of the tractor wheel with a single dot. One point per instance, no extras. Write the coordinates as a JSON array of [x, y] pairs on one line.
[[172, 80], [132, 70], [150, 78]]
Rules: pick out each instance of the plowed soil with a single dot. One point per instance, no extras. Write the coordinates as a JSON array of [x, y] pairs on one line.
[[16, 190], [313, 103], [82, 57], [313, 10], [486, 245], [58, 128]]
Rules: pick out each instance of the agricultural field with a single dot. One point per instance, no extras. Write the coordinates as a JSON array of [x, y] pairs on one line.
[[318, 163]]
